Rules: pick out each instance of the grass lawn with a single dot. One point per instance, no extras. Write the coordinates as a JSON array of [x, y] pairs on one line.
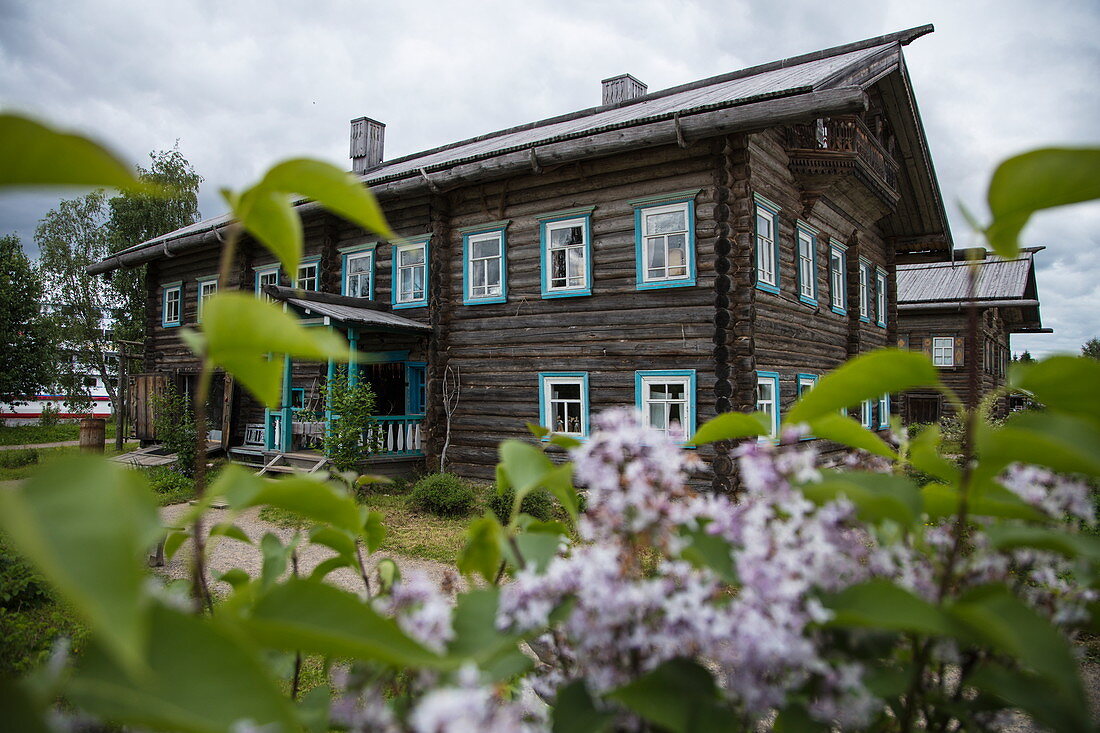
[[31, 434], [48, 455]]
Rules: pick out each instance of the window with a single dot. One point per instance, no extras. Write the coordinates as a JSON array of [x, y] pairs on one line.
[[767, 399], [563, 402], [207, 287], [267, 275], [358, 271], [767, 245], [838, 280], [171, 309], [416, 383], [806, 382], [484, 264], [807, 261], [298, 398], [943, 351], [410, 268], [884, 411], [566, 243], [880, 297], [307, 275], [864, 290], [866, 413], [666, 399], [664, 238]]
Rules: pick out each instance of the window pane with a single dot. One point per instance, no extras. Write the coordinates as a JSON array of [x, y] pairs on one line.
[[566, 236], [656, 252], [411, 256], [658, 391], [565, 391], [493, 275], [675, 391], [359, 264], [485, 248], [657, 416], [575, 261], [672, 221], [763, 226], [557, 266]]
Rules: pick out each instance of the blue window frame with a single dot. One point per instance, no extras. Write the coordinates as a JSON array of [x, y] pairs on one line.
[[766, 245], [884, 411], [867, 414], [410, 274], [838, 279], [806, 382], [806, 241], [298, 398], [206, 287], [485, 263], [171, 308], [666, 399], [664, 240], [563, 402], [416, 382], [565, 243], [357, 271], [880, 297], [309, 271], [768, 398], [864, 290], [266, 275]]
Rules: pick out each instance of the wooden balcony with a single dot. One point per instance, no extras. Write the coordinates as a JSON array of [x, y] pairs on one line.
[[833, 147]]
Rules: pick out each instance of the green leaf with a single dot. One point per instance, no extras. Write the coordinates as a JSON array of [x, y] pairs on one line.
[[1032, 694], [924, 455], [311, 498], [565, 442], [731, 426], [313, 709], [477, 637], [678, 695], [575, 712], [484, 548], [374, 531], [866, 377], [997, 617], [321, 619], [340, 540], [525, 465], [173, 542], [33, 154], [877, 496], [879, 604], [1036, 180], [276, 556], [846, 431], [537, 548], [87, 524], [23, 713], [1012, 536], [941, 501], [232, 531], [1063, 443], [538, 431], [1064, 383], [241, 330], [269, 216], [202, 677], [388, 573], [327, 566], [236, 578], [710, 551], [337, 190], [795, 719], [560, 483]]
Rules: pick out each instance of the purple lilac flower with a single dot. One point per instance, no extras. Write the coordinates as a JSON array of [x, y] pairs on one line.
[[422, 610]]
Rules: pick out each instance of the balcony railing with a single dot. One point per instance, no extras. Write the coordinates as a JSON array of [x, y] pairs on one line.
[[846, 137], [397, 435]]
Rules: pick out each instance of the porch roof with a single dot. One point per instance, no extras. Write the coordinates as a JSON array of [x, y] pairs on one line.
[[347, 310]]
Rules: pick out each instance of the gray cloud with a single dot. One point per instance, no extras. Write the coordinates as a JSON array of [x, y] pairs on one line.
[[244, 84]]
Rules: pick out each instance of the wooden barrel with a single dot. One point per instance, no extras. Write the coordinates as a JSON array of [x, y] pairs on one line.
[[93, 432]]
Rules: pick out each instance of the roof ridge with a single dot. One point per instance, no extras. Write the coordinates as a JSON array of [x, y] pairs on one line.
[[904, 37]]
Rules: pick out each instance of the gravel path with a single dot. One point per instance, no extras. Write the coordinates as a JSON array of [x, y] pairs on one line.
[[227, 554], [62, 444]]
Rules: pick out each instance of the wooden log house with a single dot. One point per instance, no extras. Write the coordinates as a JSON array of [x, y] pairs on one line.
[[711, 247], [932, 317]]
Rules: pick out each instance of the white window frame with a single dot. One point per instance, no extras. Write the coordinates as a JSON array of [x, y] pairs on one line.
[[771, 406], [315, 265], [347, 275], [643, 386], [884, 411], [766, 247], [207, 287], [806, 246], [864, 290], [490, 292], [880, 297], [169, 290], [548, 227], [547, 382], [644, 239], [838, 280], [401, 297], [943, 356], [264, 277], [867, 413]]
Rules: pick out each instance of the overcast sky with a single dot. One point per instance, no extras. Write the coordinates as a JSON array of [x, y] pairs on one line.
[[242, 84]]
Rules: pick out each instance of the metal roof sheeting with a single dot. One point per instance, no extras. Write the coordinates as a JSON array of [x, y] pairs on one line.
[[359, 316], [948, 281]]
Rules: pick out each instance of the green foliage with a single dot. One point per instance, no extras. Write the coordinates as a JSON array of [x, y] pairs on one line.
[[1090, 348], [49, 416], [36, 155], [174, 422], [169, 485], [539, 504], [442, 494], [730, 426], [349, 439], [484, 549], [18, 458], [29, 353]]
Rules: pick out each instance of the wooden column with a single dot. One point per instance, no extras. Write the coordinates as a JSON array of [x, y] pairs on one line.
[[441, 300]]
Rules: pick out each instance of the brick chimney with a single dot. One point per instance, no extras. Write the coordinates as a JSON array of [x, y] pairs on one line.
[[367, 138], [622, 88]]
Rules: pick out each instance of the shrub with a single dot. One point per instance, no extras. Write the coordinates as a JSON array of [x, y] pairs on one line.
[[20, 585], [170, 486], [49, 416], [442, 494], [175, 425], [18, 458], [539, 504], [349, 438]]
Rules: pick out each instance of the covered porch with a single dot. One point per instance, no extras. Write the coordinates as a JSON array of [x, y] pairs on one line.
[[389, 352]]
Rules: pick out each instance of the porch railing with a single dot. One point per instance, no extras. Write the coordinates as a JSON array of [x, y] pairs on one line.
[[848, 135], [397, 435]]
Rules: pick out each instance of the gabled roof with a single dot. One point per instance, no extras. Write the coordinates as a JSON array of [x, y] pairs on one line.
[[828, 82]]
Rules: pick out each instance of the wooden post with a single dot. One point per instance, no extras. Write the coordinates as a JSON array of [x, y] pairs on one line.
[[123, 388]]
